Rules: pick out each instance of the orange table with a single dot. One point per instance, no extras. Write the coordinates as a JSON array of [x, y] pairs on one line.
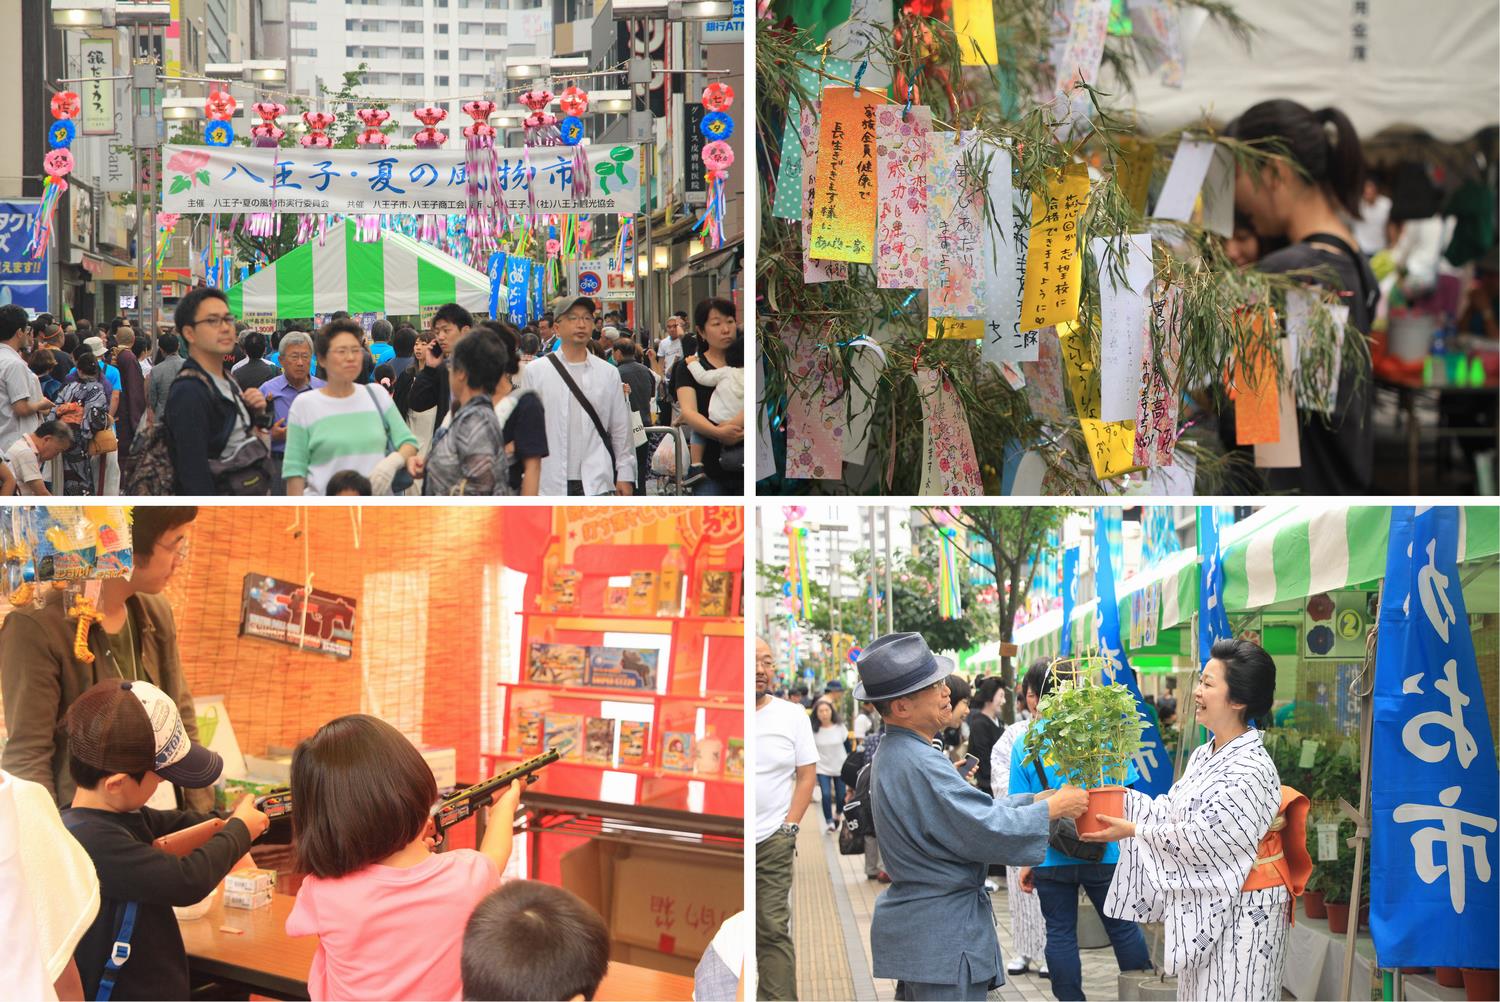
[[268, 961]]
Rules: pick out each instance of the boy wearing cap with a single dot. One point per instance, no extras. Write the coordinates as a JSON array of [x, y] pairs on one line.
[[125, 737]]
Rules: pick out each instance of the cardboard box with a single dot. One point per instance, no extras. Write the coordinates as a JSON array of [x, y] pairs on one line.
[[662, 906], [444, 765], [249, 888]]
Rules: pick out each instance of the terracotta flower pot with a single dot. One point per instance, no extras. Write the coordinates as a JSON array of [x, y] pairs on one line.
[[1108, 800], [1338, 916], [1481, 983], [1312, 904], [1450, 977], [1415, 970]]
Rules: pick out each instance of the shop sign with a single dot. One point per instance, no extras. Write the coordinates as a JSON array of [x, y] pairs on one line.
[[97, 95], [599, 278]]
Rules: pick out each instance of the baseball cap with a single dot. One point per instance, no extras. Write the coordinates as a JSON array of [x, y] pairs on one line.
[[563, 304], [127, 726], [96, 345]]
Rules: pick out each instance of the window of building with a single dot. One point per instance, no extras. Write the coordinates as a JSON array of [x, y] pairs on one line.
[[442, 29], [412, 27], [411, 52], [469, 80], [440, 82], [493, 30], [411, 79], [307, 53]]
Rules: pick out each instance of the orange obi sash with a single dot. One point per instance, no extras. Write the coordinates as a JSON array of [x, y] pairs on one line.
[[1281, 859]]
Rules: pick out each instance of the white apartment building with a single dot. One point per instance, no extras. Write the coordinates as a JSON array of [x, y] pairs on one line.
[[416, 52]]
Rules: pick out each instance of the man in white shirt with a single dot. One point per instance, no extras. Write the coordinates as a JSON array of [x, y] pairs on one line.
[[785, 763], [22, 404], [31, 454], [669, 348], [580, 461]]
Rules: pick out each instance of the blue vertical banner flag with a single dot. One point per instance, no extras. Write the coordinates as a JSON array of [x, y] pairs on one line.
[[1213, 620], [1160, 533], [1155, 770], [1069, 597], [496, 272], [1433, 786], [23, 279], [518, 282]]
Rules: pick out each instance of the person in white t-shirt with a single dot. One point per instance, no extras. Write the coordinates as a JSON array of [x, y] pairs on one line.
[[785, 764], [49, 894], [830, 735], [33, 452]]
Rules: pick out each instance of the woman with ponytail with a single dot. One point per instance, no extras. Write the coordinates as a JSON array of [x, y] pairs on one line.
[[1307, 198]]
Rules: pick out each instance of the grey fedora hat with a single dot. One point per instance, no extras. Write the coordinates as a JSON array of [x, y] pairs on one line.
[[898, 664]]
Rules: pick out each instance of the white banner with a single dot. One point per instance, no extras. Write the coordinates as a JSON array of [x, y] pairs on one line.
[[599, 279], [97, 95], [202, 179]]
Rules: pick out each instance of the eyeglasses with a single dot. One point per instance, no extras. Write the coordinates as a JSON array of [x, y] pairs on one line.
[[218, 321], [180, 551], [345, 352]]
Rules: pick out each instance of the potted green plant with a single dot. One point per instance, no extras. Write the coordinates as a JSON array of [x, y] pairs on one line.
[[1089, 732], [1312, 896]]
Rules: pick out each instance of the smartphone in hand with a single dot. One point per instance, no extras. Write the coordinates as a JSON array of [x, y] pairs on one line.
[[970, 763]]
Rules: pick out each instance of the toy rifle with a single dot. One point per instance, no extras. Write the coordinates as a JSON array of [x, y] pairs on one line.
[[449, 812], [466, 803]]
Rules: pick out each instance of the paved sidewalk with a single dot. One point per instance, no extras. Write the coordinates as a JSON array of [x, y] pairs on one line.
[[832, 904]]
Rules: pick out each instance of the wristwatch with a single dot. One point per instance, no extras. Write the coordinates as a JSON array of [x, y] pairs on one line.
[[788, 828]]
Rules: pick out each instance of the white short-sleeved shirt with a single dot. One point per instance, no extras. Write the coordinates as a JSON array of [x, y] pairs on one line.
[[25, 465], [783, 743], [17, 382]]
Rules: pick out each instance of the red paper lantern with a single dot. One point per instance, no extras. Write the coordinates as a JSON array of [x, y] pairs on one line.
[[65, 104], [574, 101], [718, 97]]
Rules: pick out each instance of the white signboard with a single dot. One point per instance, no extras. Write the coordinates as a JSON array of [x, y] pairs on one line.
[[202, 179], [97, 96], [599, 279]]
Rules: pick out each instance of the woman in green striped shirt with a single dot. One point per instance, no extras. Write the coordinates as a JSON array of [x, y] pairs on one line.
[[344, 425]]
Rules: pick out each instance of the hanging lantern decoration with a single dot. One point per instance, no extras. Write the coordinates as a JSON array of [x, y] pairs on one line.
[[574, 103], [219, 106], [166, 224], [266, 133], [483, 196], [218, 133], [718, 97], [371, 135], [429, 138], [58, 164], [317, 123], [541, 130]]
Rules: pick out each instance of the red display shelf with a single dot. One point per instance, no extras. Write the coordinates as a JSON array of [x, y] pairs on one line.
[[664, 620]]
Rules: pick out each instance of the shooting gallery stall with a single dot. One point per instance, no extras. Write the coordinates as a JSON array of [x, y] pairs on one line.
[[609, 639]]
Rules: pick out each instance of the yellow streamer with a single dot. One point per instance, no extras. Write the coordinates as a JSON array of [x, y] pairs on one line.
[[1054, 268]]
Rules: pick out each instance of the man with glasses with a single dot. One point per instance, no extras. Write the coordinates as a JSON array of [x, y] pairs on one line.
[[211, 421], [296, 379], [589, 447], [40, 676], [934, 929]]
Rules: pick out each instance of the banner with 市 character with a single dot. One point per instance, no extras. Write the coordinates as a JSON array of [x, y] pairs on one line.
[[286, 612]]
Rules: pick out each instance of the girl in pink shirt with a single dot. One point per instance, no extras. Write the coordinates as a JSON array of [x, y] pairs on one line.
[[388, 912]]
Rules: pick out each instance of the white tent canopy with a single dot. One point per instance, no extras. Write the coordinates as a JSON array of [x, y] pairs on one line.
[[1429, 64]]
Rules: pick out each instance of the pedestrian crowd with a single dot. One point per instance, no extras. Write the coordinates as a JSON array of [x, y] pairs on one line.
[[469, 406]]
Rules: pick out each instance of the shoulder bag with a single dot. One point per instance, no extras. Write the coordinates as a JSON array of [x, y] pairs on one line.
[[588, 408], [402, 481], [1062, 833]]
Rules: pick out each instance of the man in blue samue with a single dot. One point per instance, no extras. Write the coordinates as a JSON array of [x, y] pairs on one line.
[[934, 929]]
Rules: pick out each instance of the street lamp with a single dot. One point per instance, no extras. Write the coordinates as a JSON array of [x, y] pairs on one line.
[[83, 14], [183, 109], [569, 62], [156, 15], [266, 70], [524, 71], [674, 10], [661, 258]]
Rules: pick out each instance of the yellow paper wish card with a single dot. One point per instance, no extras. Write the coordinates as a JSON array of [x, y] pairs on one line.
[[1054, 269], [846, 190]]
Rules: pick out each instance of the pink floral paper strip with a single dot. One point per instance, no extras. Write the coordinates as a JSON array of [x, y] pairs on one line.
[[814, 271], [901, 138], [955, 229], [1044, 380], [815, 425], [949, 466], [1156, 420]]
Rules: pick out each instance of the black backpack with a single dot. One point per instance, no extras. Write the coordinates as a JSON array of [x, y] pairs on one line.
[[859, 815]]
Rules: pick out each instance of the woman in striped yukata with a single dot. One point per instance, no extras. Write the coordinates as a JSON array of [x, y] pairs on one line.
[[1028, 931], [1186, 856]]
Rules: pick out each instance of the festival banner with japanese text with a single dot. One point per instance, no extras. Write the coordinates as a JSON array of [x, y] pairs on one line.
[[1213, 620], [1155, 769], [1434, 787], [1069, 597], [202, 179], [23, 279]]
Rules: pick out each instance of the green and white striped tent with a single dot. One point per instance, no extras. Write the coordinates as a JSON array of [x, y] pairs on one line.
[[1274, 556], [393, 275]]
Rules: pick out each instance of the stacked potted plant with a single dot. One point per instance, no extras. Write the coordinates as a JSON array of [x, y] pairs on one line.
[[1090, 731]]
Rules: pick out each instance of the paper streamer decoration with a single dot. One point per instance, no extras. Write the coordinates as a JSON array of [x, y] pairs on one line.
[[950, 605], [955, 224], [1133, 169], [1254, 391], [955, 328], [1156, 418], [974, 21], [1156, 31], [1044, 380], [845, 191], [866, 362], [765, 454], [814, 413], [1077, 59], [1184, 180], [1053, 268], [1111, 446], [949, 466], [1122, 312], [1320, 370], [813, 270], [1080, 370], [1286, 451], [901, 144], [1004, 245], [789, 202], [1218, 193]]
